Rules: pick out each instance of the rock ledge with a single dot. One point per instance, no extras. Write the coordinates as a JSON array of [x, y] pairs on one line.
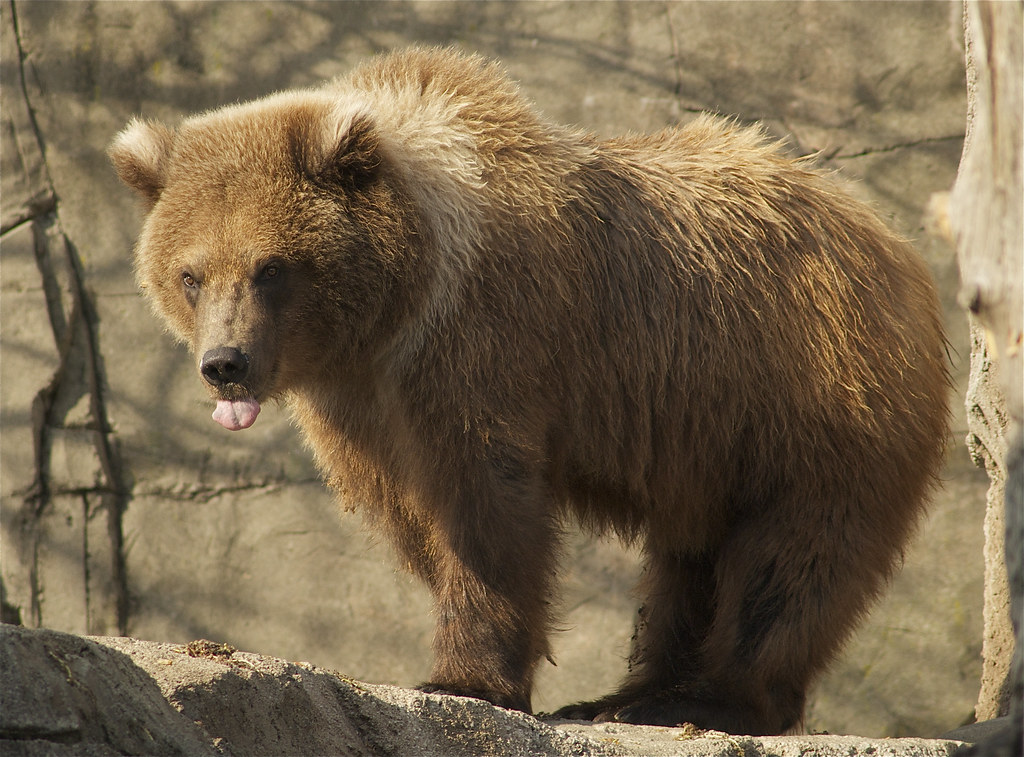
[[71, 695]]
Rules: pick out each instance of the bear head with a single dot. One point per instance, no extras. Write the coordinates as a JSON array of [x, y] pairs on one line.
[[275, 241]]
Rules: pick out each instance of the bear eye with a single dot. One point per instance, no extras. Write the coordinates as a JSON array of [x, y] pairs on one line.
[[270, 271], [189, 280]]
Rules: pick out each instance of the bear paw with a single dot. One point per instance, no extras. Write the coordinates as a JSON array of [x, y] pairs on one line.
[[672, 710], [496, 698]]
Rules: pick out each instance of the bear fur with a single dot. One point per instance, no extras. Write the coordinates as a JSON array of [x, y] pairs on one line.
[[488, 325]]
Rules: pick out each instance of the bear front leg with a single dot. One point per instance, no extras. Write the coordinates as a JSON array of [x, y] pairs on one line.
[[494, 555], [484, 647]]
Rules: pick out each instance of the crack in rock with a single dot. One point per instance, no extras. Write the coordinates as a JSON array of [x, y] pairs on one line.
[[87, 455], [837, 155]]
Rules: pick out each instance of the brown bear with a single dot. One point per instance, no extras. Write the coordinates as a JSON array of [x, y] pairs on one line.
[[488, 325]]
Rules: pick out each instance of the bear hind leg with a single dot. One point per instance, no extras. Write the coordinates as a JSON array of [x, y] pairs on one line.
[[730, 641], [788, 585], [664, 683]]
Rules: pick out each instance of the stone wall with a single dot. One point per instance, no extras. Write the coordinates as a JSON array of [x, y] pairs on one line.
[[125, 510]]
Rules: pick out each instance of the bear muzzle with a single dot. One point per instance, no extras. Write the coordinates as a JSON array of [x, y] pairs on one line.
[[224, 366]]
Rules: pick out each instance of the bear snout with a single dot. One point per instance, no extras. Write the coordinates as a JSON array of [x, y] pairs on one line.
[[224, 365]]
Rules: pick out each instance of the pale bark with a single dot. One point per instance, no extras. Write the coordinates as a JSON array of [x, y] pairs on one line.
[[985, 218]]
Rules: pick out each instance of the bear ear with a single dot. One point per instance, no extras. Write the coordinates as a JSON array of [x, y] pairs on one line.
[[339, 148], [140, 155]]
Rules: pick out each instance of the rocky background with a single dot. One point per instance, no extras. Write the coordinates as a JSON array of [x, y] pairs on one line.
[[127, 511]]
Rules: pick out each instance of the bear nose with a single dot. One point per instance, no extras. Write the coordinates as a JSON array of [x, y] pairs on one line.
[[224, 365]]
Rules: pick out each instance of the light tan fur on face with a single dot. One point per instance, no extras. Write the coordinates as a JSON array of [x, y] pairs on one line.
[[488, 325]]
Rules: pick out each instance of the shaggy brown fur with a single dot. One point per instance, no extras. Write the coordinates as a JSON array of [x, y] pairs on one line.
[[486, 324]]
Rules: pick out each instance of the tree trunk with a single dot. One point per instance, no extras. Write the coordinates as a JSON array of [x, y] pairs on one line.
[[985, 218]]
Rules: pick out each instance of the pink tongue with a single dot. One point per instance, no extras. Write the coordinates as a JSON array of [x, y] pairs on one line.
[[234, 415]]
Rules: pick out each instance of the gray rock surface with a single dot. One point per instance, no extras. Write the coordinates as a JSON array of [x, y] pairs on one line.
[[68, 695], [125, 510]]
